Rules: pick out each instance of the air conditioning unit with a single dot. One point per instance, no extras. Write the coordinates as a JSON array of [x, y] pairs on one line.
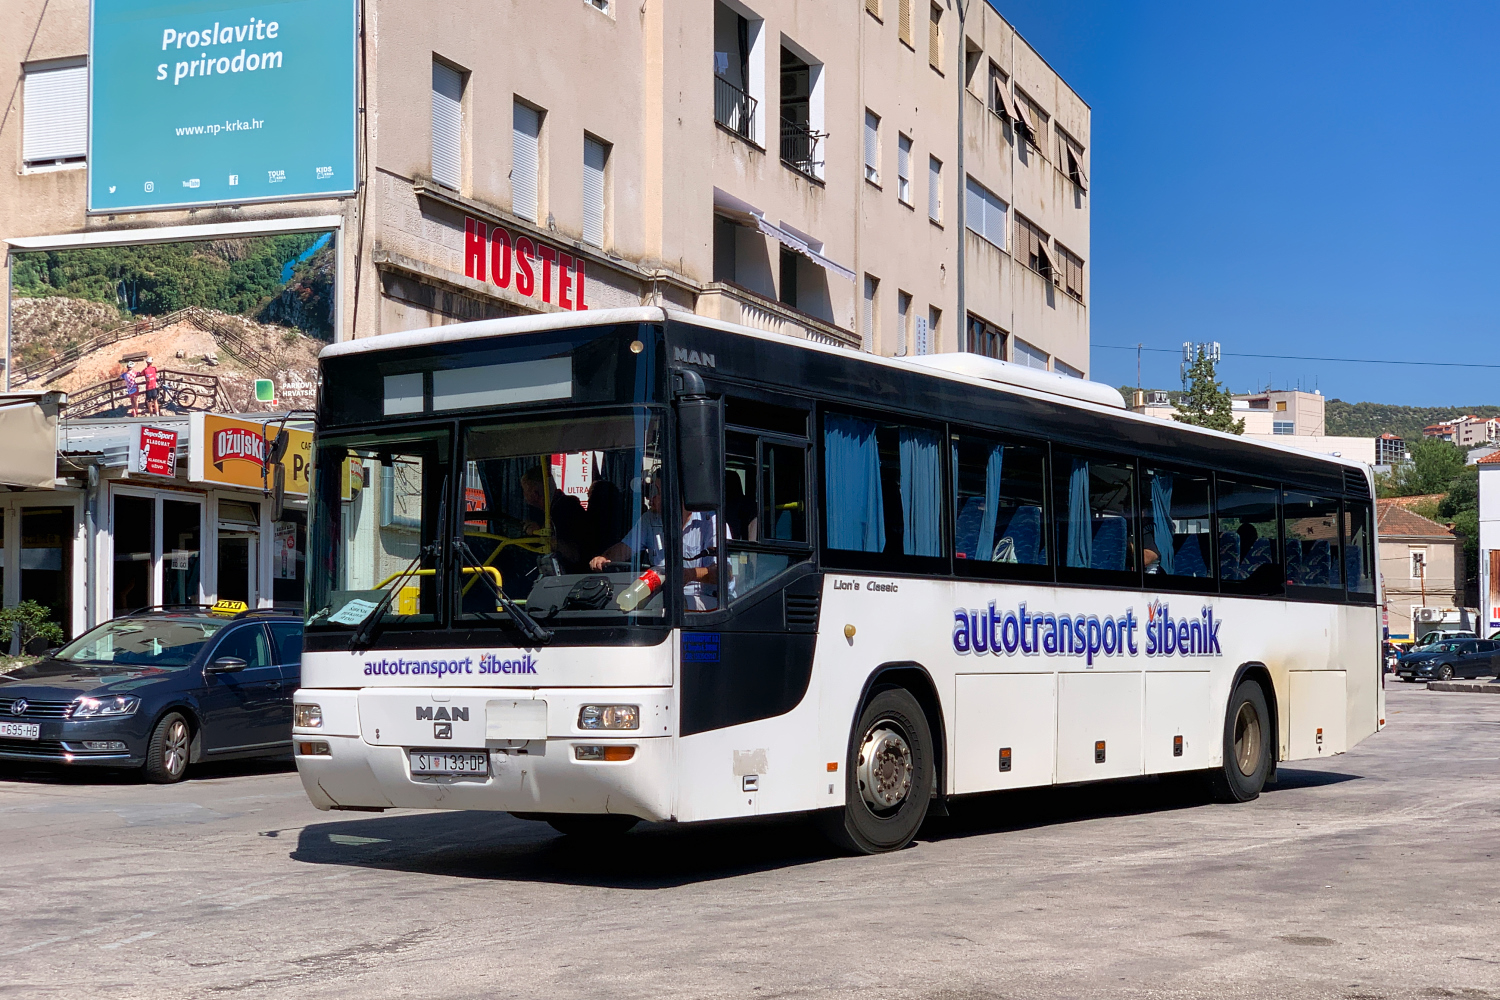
[[1429, 615]]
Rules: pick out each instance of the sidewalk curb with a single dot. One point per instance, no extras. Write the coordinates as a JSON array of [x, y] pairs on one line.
[[1471, 686]]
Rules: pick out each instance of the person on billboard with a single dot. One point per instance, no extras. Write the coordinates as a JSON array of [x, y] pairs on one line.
[[132, 388], [153, 406]]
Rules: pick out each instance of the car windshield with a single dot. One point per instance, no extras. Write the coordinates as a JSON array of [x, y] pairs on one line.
[[164, 643], [1445, 647]]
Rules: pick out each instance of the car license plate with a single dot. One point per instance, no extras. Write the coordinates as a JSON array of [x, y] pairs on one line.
[[21, 730], [466, 764]]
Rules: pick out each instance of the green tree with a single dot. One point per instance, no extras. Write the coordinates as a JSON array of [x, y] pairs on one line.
[[36, 623], [1205, 402], [1434, 464]]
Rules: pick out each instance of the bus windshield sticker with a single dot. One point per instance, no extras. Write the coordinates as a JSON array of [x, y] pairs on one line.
[[352, 613]]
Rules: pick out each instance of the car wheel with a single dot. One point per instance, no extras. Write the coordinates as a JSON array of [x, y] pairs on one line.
[[1247, 746], [590, 827], [888, 776], [1445, 672], [169, 749]]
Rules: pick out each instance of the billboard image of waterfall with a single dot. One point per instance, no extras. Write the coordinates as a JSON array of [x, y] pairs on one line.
[[213, 316]]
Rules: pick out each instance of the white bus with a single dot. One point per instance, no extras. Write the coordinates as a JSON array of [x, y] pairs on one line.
[[895, 582]]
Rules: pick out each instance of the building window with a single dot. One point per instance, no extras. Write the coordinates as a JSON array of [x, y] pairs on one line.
[[927, 340], [872, 147], [1260, 404], [903, 169], [1283, 427], [985, 338], [1070, 159], [1281, 406], [999, 99], [602, 5], [1070, 271], [801, 114], [903, 22], [786, 288], [984, 213], [1031, 357], [1034, 121], [525, 171], [872, 7], [1031, 246], [872, 311], [595, 156], [447, 125], [739, 73], [1418, 564], [935, 189], [935, 38], [1063, 369], [903, 322], [55, 115]]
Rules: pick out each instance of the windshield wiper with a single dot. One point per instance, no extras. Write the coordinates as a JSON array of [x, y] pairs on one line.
[[527, 624], [364, 632]]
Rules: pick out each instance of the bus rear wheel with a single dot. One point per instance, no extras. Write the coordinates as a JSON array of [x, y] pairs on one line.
[[1247, 745], [888, 776], [583, 826]]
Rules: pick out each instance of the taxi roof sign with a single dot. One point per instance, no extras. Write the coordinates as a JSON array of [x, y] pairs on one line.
[[228, 608]]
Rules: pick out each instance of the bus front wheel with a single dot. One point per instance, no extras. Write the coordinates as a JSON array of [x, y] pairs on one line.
[[888, 776], [1247, 745]]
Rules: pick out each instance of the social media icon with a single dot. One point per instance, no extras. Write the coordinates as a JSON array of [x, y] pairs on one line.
[[234, 179], [111, 189], [150, 186]]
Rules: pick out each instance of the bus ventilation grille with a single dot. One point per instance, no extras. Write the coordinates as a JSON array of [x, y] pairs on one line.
[[801, 609], [1355, 483]]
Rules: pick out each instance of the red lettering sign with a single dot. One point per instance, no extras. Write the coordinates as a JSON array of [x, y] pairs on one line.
[[236, 443], [493, 248], [158, 452]]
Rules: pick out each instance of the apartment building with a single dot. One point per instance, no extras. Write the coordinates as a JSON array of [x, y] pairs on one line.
[[1281, 412], [791, 166], [1390, 450], [1467, 431]]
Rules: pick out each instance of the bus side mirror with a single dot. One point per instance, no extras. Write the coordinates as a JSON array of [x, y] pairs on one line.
[[700, 447]]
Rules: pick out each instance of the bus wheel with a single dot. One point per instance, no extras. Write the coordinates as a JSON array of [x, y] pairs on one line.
[[888, 776], [590, 827], [1247, 746]]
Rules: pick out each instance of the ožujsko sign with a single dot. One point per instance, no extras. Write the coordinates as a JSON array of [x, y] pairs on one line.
[[227, 451], [214, 101]]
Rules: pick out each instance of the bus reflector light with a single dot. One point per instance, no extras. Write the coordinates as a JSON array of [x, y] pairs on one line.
[[313, 748], [1005, 758], [833, 766], [1177, 746], [595, 752], [1099, 752]]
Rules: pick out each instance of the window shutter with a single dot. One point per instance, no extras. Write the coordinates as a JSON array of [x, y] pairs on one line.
[[994, 222], [56, 114], [973, 206], [873, 6], [447, 126], [934, 189], [935, 38], [903, 169], [904, 21], [524, 167], [872, 146], [594, 154]]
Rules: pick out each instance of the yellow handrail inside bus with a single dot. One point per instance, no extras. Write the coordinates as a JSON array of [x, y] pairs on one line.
[[490, 571]]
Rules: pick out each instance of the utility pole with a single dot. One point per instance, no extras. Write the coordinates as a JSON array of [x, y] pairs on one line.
[[963, 317]]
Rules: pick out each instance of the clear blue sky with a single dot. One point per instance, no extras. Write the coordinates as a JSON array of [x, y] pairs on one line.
[[1314, 178]]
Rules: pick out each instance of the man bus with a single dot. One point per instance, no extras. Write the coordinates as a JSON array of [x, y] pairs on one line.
[[897, 582]]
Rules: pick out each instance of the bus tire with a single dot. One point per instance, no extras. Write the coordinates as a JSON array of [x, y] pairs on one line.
[[588, 826], [1247, 745], [888, 776]]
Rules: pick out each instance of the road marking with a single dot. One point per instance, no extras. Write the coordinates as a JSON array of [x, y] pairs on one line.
[[350, 841], [130, 940]]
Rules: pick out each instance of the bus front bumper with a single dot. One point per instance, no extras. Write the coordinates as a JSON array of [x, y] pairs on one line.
[[548, 777]]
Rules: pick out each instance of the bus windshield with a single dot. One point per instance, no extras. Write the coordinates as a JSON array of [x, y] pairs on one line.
[[559, 514]]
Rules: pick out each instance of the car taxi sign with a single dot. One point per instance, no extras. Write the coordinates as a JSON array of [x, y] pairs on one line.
[[228, 608]]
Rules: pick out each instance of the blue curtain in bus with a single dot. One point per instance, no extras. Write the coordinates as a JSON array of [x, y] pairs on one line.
[[922, 493], [851, 484], [1161, 517], [986, 548], [1080, 530]]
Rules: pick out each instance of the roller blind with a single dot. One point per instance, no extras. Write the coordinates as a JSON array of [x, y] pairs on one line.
[[594, 155], [872, 146], [903, 169], [934, 189], [984, 213], [524, 165], [904, 21], [55, 114], [447, 125]]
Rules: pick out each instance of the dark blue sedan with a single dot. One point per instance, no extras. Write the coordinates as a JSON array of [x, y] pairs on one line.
[[158, 690]]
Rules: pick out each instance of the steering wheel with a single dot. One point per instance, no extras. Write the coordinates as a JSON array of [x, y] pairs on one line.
[[614, 567]]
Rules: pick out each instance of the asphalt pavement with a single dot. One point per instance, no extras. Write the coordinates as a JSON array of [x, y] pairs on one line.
[[1371, 875]]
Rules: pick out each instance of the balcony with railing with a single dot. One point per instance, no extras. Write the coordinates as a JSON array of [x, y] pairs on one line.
[[801, 148], [734, 109], [734, 303]]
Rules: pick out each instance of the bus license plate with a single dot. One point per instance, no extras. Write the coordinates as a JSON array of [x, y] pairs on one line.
[[21, 730], [469, 764]]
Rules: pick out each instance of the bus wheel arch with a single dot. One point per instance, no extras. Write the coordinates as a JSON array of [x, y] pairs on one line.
[[1261, 674], [914, 678], [1250, 737]]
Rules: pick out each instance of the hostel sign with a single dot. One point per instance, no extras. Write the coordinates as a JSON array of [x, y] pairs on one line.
[[227, 451], [534, 269]]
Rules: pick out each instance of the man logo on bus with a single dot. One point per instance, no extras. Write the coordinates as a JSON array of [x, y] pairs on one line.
[[425, 713]]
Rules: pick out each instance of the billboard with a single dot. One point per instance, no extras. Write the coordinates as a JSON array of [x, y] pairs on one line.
[[212, 101], [226, 451]]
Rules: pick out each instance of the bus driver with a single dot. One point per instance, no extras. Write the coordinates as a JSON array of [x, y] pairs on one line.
[[700, 570]]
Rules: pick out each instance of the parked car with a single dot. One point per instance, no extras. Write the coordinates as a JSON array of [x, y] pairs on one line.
[[158, 690], [1451, 658]]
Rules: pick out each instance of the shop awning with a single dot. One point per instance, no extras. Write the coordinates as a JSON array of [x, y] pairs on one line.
[[29, 429], [746, 214]]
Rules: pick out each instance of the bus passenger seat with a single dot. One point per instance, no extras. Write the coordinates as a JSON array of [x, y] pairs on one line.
[[966, 530], [1189, 561], [1229, 556], [1025, 534], [1109, 545], [1260, 555], [1296, 572], [1317, 564]]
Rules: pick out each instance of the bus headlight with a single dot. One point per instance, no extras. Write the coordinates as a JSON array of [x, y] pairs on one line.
[[609, 717], [307, 716]]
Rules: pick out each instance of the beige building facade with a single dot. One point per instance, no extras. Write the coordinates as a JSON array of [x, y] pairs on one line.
[[791, 166]]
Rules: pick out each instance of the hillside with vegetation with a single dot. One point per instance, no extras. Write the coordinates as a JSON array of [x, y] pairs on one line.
[[1374, 419]]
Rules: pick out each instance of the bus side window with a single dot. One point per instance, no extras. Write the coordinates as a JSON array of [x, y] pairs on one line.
[[1096, 523], [1313, 556], [1249, 539], [1177, 541], [1359, 563], [999, 524], [765, 508], [883, 491]]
